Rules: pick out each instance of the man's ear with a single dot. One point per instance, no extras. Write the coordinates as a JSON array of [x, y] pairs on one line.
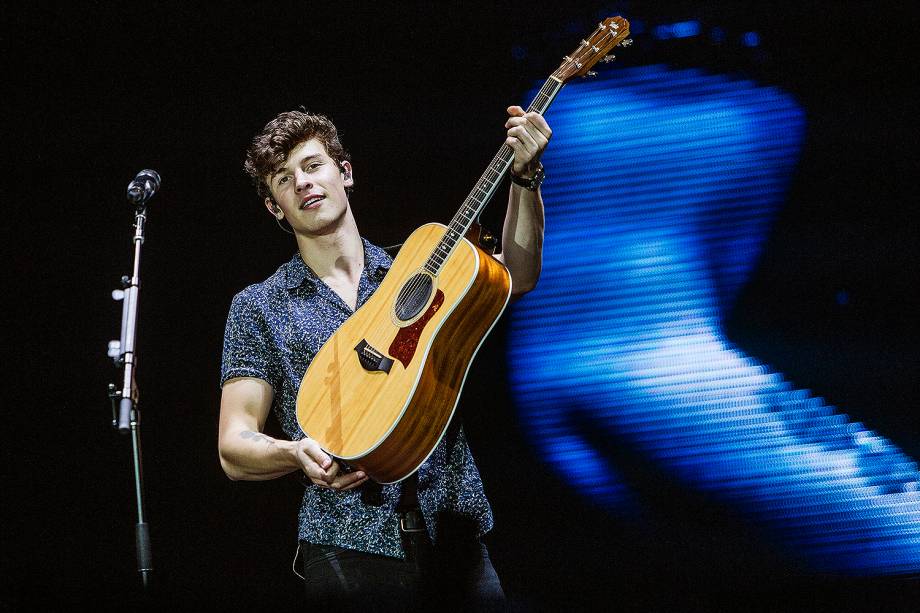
[[273, 208], [346, 174]]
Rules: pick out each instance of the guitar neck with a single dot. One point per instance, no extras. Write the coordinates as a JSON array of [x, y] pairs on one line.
[[488, 182], [609, 33]]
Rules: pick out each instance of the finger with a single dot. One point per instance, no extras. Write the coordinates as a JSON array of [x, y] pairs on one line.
[[317, 476], [349, 481], [515, 111], [357, 483], [315, 452], [525, 150], [322, 478], [527, 139], [518, 120], [326, 477], [517, 146], [539, 137], [314, 471], [538, 122]]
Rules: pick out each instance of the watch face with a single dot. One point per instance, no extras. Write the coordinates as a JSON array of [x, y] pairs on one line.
[[537, 179]]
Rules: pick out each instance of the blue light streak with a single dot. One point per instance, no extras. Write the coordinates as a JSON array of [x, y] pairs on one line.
[[750, 39], [681, 29], [662, 186]]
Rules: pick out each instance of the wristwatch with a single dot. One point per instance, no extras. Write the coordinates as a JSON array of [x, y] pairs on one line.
[[533, 183]]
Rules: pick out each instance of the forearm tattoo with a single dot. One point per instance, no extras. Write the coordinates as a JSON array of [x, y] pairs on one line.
[[257, 436]]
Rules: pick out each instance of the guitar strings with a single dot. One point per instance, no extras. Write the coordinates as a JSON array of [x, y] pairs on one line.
[[502, 158]]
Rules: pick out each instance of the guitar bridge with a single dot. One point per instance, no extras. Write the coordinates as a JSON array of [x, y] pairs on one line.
[[371, 359]]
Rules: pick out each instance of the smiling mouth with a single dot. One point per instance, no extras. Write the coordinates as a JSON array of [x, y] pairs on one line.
[[311, 203]]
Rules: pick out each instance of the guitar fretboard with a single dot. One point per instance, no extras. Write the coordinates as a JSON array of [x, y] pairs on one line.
[[485, 188]]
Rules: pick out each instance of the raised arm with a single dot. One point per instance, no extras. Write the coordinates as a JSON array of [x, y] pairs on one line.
[[522, 234]]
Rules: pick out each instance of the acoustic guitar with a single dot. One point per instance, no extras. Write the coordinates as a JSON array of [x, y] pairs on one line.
[[380, 393]]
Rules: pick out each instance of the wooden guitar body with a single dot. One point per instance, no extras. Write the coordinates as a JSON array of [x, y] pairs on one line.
[[387, 418]]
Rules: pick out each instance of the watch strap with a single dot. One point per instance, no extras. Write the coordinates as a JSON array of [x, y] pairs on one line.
[[532, 183]]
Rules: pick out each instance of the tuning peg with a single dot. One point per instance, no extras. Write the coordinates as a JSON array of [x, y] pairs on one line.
[[590, 73], [608, 58], [626, 42]]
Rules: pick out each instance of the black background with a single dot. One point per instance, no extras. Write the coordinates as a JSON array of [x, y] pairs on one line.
[[100, 91]]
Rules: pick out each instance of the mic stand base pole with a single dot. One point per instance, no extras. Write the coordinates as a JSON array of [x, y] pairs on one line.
[[142, 529], [127, 416]]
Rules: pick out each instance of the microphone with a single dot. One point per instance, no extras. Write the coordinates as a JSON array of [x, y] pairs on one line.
[[143, 187]]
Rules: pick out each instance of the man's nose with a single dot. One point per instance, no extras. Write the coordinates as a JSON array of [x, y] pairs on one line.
[[303, 181]]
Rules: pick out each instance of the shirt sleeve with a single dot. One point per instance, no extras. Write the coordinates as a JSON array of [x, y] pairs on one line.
[[248, 347]]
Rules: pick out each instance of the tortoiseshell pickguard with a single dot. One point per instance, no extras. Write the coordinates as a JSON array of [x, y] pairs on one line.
[[404, 345]]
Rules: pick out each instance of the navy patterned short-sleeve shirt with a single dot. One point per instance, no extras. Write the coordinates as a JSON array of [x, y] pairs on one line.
[[273, 331]]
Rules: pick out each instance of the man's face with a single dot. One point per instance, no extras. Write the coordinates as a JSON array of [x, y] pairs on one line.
[[309, 188]]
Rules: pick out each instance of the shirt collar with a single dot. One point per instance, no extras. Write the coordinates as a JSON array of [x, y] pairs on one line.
[[376, 261]]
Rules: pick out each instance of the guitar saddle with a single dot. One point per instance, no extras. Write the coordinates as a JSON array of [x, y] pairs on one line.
[[371, 359]]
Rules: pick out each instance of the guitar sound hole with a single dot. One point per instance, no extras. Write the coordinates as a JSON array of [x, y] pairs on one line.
[[413, 297]]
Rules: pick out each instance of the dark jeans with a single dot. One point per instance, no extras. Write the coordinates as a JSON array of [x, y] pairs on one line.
[[456, 577]]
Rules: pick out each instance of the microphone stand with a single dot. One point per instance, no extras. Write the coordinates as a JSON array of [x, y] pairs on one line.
[[125, 411]]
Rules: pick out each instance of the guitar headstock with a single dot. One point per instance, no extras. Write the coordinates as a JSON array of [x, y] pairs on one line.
[[609, 33]]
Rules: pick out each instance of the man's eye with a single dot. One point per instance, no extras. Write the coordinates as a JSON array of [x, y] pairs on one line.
[[282, 180], [314, 165]]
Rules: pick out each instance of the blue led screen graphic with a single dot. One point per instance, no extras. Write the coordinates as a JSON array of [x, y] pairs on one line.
[[662, 186]]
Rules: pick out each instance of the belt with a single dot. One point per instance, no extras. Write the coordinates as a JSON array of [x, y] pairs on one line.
[[411, 521]]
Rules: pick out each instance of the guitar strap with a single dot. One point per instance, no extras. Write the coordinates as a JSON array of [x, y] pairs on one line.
[[409, 498]]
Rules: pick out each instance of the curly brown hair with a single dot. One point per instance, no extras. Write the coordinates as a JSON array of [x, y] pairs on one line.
[[271, 147]]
